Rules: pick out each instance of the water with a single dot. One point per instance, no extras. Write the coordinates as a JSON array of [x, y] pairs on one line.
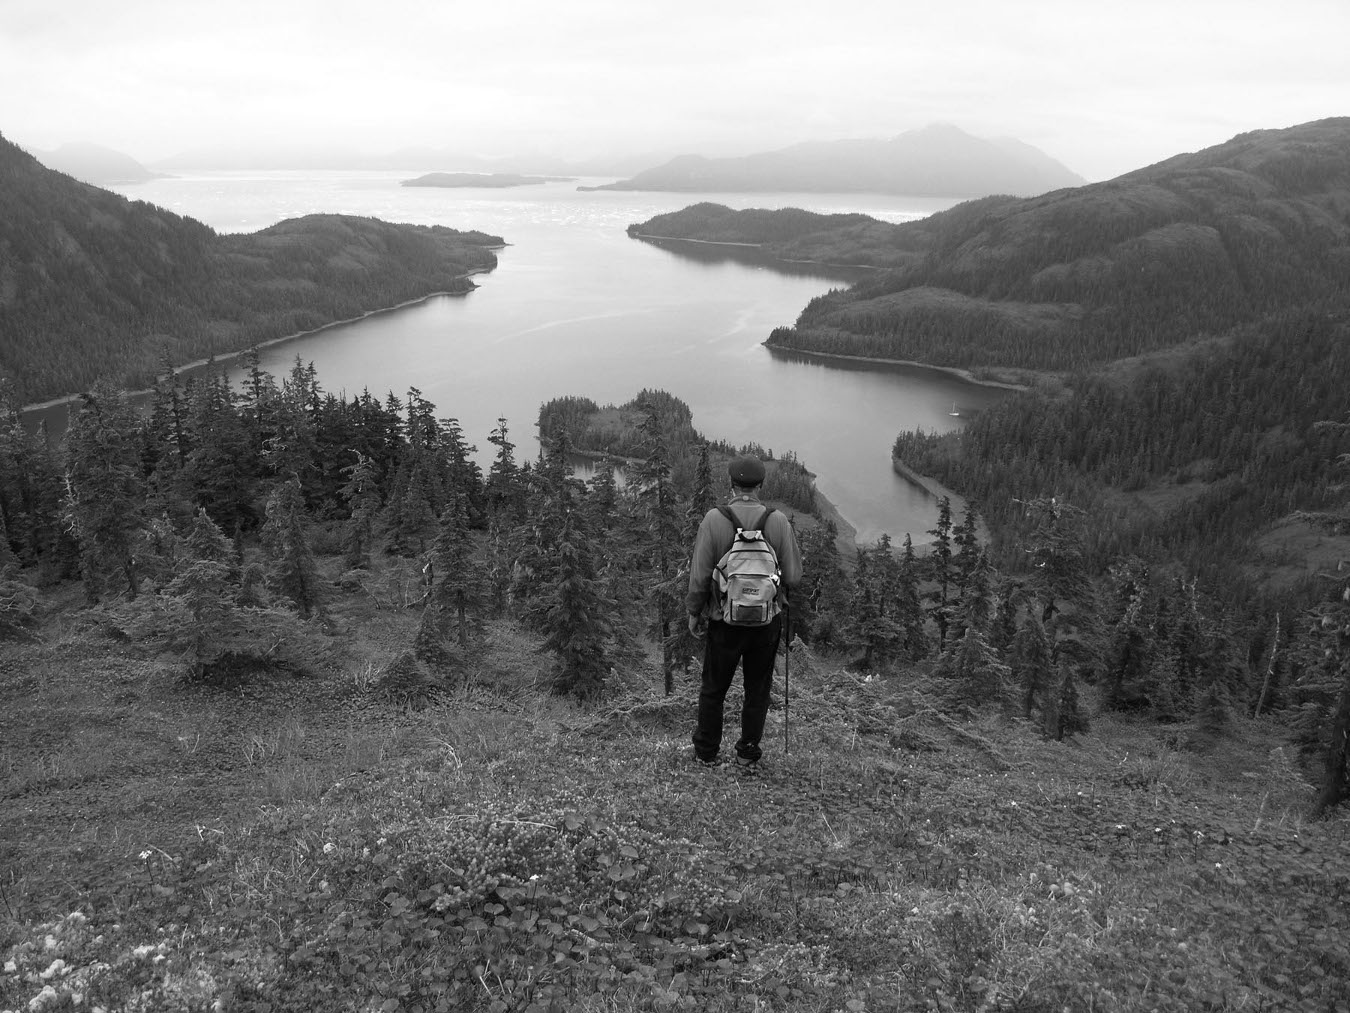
[[576, 307]]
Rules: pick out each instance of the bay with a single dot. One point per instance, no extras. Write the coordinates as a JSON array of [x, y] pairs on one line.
[[577, 307]]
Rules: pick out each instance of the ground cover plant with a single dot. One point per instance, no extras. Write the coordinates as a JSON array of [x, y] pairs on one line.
[[309, 841]]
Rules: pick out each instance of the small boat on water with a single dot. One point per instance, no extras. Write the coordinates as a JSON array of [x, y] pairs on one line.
[[954, 412]]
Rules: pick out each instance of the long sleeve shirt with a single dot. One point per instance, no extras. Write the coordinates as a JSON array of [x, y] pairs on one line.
[[715, 535]]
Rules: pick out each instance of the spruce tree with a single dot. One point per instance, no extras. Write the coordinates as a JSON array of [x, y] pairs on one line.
[[1033, 668], [820, 602], [222, 467], [575, 613], [656, 498], [908, 607], [457, 590], [105, 496], [362, 496], [203, 614], [291, 569], [941, 572]]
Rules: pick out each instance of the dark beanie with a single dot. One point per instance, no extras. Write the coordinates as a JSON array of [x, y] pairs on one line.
[[746, 470]]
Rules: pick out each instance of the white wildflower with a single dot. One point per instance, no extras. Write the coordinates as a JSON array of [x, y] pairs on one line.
[[11, 967], [56, 967], [145, 855], [47, 997], [329, 848]]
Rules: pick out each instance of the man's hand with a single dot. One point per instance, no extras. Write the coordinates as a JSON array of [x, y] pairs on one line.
[[693, 626]]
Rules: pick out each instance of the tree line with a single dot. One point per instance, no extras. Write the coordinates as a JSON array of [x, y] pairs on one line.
[[212, 527]]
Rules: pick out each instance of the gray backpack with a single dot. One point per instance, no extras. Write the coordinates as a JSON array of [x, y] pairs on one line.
[[747, 577]]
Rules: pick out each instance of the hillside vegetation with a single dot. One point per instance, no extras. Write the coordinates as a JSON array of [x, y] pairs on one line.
[[93, 285], [304, 710]]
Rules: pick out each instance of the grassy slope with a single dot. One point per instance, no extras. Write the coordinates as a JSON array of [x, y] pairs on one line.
[[304, 843]]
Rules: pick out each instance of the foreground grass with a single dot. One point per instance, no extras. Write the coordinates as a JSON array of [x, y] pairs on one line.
[[303, 844]]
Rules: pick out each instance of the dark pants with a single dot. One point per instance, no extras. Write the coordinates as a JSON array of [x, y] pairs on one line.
[[754, 647]]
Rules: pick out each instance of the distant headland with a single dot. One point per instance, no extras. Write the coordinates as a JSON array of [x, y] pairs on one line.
[[483, 179]]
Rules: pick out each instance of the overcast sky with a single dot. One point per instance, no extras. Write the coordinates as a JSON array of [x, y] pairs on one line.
[[1104, 86]]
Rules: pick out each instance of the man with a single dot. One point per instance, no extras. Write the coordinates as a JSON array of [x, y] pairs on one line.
[[753, 647]]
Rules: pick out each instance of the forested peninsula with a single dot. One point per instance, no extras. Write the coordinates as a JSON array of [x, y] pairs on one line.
[[94, 285]]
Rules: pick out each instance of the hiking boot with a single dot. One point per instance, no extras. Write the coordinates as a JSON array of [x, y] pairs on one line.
[[708, 761], [746, 764]]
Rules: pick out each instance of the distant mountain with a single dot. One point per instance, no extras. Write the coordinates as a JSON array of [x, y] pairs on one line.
[[93, 285], [938, 160], [92, 163]]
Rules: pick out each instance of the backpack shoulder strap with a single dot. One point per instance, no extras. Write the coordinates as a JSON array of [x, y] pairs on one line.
[[731, 515], [736, 522]]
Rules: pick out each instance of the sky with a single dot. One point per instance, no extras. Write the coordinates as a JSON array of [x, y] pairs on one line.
[[1104, 86]]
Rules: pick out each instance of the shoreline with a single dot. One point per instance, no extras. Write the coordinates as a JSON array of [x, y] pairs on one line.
[[66, 399], [759, 246], [960, 374]]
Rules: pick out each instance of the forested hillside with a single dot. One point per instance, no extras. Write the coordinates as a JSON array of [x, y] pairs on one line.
[[1194, 245], [93, 285], [1191, 246]]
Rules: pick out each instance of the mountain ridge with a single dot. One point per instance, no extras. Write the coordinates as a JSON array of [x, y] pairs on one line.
[[938, 160]]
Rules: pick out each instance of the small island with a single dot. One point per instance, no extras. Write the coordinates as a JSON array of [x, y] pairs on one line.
[[483, 179]]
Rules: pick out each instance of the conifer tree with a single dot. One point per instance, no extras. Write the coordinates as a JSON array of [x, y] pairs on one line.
[[1033, 668], [292, 448], [457, 589], [974, 672], [222, 467], [871, 625], [505, 492], [941, 572], [656, 498], [908, 607], [202, 614], [9, 562], [603, 501], [557, 585], [105, 495], [410, 513], [292, 570], [1058, 583], [362, 495], [968, 551], [820, 602]]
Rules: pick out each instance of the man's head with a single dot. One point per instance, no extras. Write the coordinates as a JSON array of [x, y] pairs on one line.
[[746, 472]]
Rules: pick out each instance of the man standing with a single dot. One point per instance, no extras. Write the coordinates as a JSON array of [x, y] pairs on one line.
[[753, 647]]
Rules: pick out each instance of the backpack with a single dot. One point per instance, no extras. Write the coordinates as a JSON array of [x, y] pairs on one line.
[[746, 578]]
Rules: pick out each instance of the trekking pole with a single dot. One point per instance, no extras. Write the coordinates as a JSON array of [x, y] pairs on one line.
[[787, 665]]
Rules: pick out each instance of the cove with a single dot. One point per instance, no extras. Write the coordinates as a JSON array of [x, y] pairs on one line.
[[578, 307]]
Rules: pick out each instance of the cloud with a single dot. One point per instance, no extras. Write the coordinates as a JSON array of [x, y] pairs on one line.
[[1104, 87]]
